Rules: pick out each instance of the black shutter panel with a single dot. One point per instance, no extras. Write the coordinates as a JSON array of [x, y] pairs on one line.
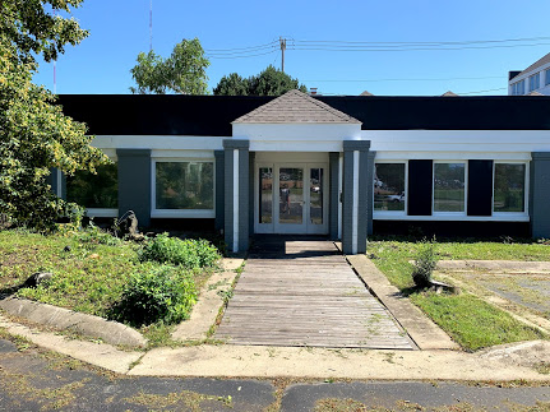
[[480, 187], [420, 187]]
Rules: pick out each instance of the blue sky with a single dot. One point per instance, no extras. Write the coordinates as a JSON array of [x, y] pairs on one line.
[[119, 30]]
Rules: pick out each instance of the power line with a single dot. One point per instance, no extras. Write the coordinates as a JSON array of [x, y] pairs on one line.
[[229, 57], [522, 39], [484, 91], [400, 80], [405, 49], [246, 48]]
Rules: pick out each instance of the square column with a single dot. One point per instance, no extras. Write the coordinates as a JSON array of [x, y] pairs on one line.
[[134, 183], [236, 191], [356, 186], [539, 194]]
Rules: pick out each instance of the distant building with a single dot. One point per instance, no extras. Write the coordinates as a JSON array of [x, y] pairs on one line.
[[534, 80]]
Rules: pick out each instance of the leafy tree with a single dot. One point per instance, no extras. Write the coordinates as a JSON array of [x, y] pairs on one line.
[[232, 85], [270, 82], [183, 72], [35, 136]]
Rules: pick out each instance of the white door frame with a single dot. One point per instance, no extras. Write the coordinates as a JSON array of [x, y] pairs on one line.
[[282, 228]]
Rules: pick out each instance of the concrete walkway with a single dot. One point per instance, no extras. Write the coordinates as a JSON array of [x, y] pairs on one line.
[[304, 293]]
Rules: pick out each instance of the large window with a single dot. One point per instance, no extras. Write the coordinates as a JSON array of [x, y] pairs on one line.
[[389, 187], [99, 191], [534, 82], [184, 185], [449, 179], [547, 80], [509, 183]]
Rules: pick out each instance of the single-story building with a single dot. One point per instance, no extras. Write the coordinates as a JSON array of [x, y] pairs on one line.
[[341, 166]]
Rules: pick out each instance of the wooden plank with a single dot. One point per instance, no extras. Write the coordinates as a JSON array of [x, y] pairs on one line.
[[304, 293]]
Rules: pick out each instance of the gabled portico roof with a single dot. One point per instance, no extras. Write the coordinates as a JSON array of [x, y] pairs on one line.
[[297, 108]]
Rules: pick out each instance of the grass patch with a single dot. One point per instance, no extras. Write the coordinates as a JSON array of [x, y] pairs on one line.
[[93, 270], [190, 400], [470, 321]]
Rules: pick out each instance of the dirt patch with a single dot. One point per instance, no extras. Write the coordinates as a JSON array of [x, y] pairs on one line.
[[525, 285], [535, 355]]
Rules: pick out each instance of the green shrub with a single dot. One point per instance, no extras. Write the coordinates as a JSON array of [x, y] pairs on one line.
[[156, 294], [425, 263], [188, 253]]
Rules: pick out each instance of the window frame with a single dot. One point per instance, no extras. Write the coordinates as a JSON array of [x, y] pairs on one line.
[[380, 214], [462, 213], [526, 182], [181, 213]]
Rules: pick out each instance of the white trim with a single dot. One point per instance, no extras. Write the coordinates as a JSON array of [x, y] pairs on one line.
[[464, 211], [161, 142], [340, 185], [526, 182], [101, 212], [235, 200], [513, 217], [170, 155], [391, 156], [183, 214], [355, 207], [405, 188], [182, 159]]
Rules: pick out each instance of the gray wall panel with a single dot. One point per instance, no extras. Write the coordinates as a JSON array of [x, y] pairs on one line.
[[370, 192], [134, 183], [347, 207], [333, 195], [242, 145], [540, 194], [219, 155]]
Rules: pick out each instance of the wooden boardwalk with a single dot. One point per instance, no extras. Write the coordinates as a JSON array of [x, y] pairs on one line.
[[304, 293]]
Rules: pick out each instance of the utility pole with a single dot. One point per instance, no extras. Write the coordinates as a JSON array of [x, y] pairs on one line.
[[282, 42], [151, 26]]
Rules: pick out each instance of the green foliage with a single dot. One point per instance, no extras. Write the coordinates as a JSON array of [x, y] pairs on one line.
[[232, 85], [35, 136], [157, 294], [94, 235], [425, 263], [189, 253], [270, 82], [27, 25], [183, 72]]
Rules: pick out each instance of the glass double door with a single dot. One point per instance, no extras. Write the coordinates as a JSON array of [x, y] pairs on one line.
[[291, 198]]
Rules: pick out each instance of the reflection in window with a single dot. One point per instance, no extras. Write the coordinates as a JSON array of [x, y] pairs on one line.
[[266, 195], [184, 185], [509, 188], [316, 196], [389, 186], [449, 181], [94, 191], [291, 195]]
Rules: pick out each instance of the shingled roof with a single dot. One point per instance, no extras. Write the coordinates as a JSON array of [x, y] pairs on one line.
[[296, 107], [539, 63]]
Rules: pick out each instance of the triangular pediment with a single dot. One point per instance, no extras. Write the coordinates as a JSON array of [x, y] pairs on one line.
[[298, 108]]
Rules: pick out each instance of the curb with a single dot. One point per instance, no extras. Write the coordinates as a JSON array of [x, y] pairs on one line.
[[112, 332]]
